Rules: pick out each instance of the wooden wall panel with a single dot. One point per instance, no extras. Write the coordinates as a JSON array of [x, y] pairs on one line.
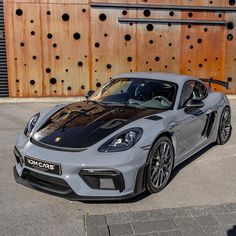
[[230, 55], [51, 62], [158, 44], [65, 40], [23, 34], [113, 51]]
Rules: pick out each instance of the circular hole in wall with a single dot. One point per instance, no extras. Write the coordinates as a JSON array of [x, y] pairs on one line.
[[191, 47], [108, 66], [105, 35], [34, 57], [76, 36], [205, 29], [48, 13], [54, 45], [65, 17], [149, 27], [32, 82], [49, 35], [69, 88], [102, 17], [80, 63], [22, 44], [127, 37], [171, 13], [32, 33], [199, 41], [57, 57], [17, 81], [151, 41], [230, 37], [98, 84], [82, 87], [157, 58], [231, 2], [83, 10], [190, 14], [53, 81], [219, 15], [19, 12], [147, 13], [229, 79], [97, 45], [124, 12], [66, 70], [129, 58], [31, 21], [48, 70], [230, 25]]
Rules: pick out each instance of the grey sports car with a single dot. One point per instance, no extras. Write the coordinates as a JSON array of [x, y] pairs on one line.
[[122, 140]]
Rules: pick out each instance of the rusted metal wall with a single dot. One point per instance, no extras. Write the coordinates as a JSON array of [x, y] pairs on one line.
[[64, 48]]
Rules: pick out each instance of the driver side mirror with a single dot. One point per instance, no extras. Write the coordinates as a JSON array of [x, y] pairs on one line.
[[89, 93], [193, 104]]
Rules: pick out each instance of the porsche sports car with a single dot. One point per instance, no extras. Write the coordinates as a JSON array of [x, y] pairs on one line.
[[122, 140]]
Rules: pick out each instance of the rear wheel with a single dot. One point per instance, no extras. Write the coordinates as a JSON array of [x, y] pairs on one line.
[[160, 165], [225, 128]]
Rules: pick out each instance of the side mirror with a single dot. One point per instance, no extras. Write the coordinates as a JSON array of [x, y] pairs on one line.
[[193, 104], [89, 93]]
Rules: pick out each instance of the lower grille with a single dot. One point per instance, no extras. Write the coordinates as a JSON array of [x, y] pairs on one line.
[[46, 182]]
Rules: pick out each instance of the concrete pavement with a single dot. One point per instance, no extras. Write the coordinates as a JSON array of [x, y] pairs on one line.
[[207, 179]]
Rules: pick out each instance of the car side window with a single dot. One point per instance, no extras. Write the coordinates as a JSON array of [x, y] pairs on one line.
[[192, 90]]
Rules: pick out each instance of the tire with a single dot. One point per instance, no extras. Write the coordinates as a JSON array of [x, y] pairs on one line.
[[225, 128], [160, 165]]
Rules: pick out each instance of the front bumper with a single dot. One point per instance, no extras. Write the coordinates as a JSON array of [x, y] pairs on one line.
[[68, 194], [80, 172]]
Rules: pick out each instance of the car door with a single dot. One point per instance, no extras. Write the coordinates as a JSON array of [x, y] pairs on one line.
[[191, 124]]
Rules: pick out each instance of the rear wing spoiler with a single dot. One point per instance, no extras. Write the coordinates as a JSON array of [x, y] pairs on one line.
[[214, 81]]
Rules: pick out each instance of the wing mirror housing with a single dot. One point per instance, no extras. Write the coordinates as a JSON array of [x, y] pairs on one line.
[[89, 93], [193, 104]]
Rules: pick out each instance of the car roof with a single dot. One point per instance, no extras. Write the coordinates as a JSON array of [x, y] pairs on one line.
[[170, 77]]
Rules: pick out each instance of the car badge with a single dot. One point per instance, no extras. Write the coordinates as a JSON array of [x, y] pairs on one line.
[[57, 139]]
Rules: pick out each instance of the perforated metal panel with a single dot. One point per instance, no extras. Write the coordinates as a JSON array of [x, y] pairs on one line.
[[3, 63]]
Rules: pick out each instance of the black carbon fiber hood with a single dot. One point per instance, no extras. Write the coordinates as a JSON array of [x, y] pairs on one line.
[[82, 124]]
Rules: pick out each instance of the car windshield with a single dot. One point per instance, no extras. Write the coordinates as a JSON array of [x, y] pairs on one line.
[[138, 92]]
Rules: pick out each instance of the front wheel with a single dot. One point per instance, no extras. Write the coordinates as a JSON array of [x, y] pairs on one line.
[[160, 165], [225, 128]]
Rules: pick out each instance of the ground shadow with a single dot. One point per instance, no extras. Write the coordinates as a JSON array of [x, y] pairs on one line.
[[174, 173]]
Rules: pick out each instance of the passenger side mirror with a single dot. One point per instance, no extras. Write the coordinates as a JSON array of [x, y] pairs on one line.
[[89, 93], [193, 104]]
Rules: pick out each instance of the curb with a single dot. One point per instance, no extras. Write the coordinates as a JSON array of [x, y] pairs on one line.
[[41, 99]]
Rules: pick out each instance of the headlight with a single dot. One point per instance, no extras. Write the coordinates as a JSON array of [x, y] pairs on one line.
[[30, 125], [122, 141]]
